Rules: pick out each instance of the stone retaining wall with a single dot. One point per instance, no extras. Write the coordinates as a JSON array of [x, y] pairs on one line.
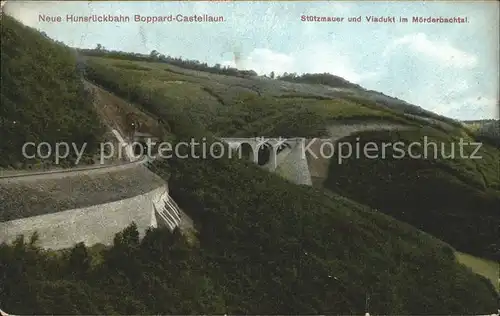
[[91, 225]]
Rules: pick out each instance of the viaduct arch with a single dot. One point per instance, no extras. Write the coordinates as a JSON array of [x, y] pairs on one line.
[[271, 153]]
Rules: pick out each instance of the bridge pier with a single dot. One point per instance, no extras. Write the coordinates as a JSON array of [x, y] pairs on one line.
[[273, 162], [255, 153]]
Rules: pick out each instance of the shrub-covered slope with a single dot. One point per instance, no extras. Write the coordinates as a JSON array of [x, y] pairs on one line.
[[467, 221], [210, 194], [321, 254], [454, 197], [265, 245], [42, 95]]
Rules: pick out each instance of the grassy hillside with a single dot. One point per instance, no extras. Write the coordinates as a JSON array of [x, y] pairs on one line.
[[162, 101], [454, 199], [487, 268], [424, 192], [223, 108], [327, 237], [280, 249], [310, 85], [42, 97], [264, 245], [487, 131]]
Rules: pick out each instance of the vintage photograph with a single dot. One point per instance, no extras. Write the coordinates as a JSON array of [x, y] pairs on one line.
[[249, 158]]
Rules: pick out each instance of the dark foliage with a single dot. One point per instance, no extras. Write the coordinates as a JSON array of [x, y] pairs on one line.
[[177, 61], [271, 223], [157, 275], [489, 132], [258, 254], [324, 78], [429, 193], [42, 97]]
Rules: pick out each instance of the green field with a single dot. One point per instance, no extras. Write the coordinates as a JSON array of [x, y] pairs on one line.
[[232, 107], [487, 268]]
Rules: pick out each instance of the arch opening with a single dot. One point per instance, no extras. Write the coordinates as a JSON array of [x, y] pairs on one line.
[[264, 154], [246, 151], [140, 148]]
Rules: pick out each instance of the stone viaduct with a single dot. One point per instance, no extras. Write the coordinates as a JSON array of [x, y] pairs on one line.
[[285, 156]]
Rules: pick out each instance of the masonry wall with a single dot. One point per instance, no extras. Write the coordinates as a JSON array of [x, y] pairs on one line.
[[91, 225], [294, 167]]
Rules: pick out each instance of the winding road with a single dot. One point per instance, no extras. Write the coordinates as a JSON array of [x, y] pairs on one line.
[[59, 173]]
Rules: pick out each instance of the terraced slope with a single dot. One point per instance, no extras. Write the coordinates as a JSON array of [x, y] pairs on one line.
[[219, 105]]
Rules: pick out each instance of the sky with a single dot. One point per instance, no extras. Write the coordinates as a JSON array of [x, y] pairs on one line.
[[449, 68]]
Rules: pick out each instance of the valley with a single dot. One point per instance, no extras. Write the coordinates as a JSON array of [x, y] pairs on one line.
[[309, 235]]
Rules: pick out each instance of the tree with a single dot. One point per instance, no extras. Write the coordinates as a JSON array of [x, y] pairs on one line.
[[154, 54], [128, 238], [79, 260], [99, 47], [271, 75]]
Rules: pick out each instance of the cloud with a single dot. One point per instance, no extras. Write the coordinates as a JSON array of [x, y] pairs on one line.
[[263, 61], [318, 58], [424, 69], [460, 85], [458, 100], [472, 107], [24, 11], [441, 52], [329, 9]]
